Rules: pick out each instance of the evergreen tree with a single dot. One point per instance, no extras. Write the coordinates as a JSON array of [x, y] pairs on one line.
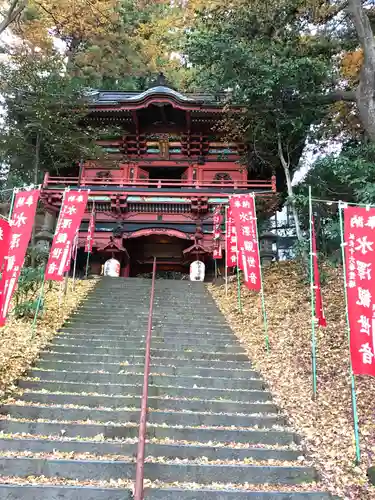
[[41, 121]]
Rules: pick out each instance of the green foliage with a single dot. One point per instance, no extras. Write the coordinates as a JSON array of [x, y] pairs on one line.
[[348, 176], [41, 129], [264, 53], [26, 294]]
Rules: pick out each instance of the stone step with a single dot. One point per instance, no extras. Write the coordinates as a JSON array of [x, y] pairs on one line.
[[159, 417], [140, 298], [33, 492], [189, 371], [101, 320], [202, 474], [174, 361], [131, 389], [130, 353], [124, 344], [175, 381], [176, 330], [189, 452], [45, 492], [224, 494], [124, 431], [156, 341], [140, 325], [206, 404], [139, 317], [215, 406], [118, 311], [110, 334], [136, 305]]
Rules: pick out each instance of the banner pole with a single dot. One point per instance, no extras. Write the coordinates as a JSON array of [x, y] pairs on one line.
[[312, 294], [352, 379], [87, 264], [238, 281], [226, 251], [89, 242], [40, 298], [75, 261], [263, 302], [12, 202]]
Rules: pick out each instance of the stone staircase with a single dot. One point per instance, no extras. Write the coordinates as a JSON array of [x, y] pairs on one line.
[[213, 432]]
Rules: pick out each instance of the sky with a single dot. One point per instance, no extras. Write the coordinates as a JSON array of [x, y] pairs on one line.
[[310, 156]]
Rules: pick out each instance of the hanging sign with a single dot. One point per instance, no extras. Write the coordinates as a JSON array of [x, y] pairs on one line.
[[25, 203], [244, 218], [5, 231], [217, 221], [319, 312], [71, 214], [359, 238], [231, 237], [90, 233]]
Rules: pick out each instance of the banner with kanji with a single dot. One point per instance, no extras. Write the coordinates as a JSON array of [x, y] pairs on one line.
[[90, 233], [22, 221], [359, 241], [71, 214], [244, 218], [5, 231], [217, 221], [319, 312], [231, 237]]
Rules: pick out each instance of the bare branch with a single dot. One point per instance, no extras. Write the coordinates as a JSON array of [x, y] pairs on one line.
[[14, 10]]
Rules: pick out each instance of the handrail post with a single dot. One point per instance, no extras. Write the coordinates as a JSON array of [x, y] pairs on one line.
[[139, 474], [45, 180]]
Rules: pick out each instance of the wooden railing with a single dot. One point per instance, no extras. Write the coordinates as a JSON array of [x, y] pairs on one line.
[[139, 475], [50, 181]]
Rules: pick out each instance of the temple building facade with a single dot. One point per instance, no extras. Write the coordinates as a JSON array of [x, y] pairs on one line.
[[165, 168]]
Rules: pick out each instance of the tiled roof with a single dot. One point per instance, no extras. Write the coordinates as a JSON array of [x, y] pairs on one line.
[[116, 97]]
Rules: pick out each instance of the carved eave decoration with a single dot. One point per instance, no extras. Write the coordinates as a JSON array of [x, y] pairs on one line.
[[114, 245], [195, 249]]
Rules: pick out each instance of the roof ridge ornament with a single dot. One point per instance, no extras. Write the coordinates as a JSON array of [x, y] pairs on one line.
[[160, 81]]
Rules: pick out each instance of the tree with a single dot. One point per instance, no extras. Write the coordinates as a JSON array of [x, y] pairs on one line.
[[349, 177], [43, 109], [41, 130], [10, 12], [365, 91], [265, 54], [95, 36]]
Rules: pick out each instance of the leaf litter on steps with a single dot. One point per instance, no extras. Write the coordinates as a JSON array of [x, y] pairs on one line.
[[326, 424], [19, 348]]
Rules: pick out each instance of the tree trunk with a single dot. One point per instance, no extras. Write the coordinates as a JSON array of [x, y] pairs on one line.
[[14, 10], [285, 165], [366, 87], [36, 173]]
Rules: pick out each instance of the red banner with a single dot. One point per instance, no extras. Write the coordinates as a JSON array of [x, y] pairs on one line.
[[90, 233], [23, 216], [5, 232], [73, 253], [71, 214], [244, 217], [217, 221], [319, 312], [231, 237], [359, 237]]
